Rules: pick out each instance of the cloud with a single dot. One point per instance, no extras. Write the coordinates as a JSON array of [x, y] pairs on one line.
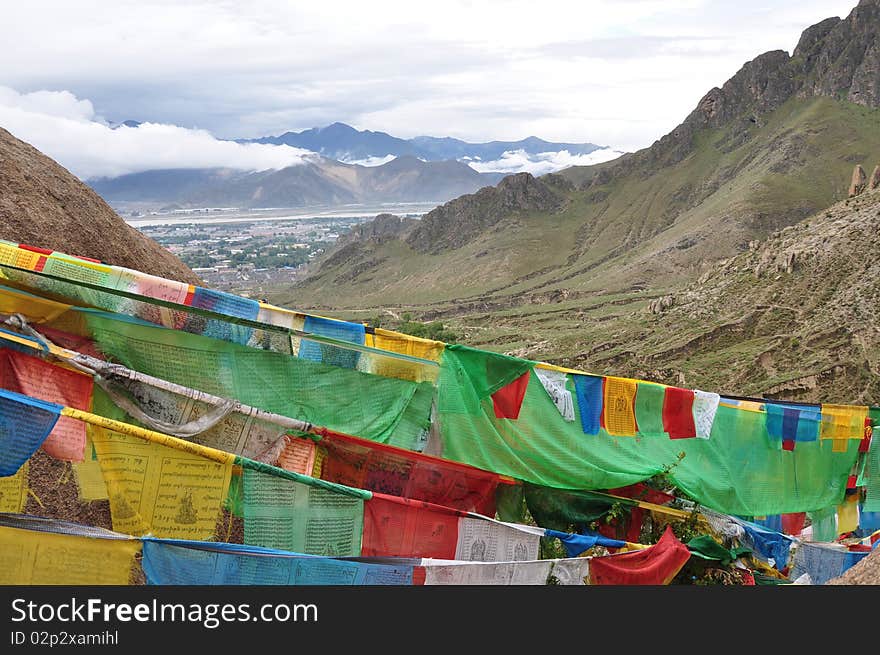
[[603, 71], [371, 161], [518, 161], [68, 130]]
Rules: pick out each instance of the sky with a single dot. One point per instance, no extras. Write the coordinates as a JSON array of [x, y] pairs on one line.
[[618, 73]]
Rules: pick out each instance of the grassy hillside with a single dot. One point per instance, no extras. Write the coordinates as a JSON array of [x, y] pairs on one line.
[[573, 285]]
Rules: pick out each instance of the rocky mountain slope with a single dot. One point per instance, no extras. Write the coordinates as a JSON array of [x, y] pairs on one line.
[[795, 316], [567, 270], [43, 204], [317, 182]]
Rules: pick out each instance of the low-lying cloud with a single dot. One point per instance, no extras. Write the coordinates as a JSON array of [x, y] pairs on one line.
[[518, 161], [371, 161], [67, 129]]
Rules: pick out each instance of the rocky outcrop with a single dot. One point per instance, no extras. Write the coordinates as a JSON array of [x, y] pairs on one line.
[[835, 58], [381, 229], [859, 181], [845, 63], [874, 180], [659, 305], [42, 204], [459, 221]]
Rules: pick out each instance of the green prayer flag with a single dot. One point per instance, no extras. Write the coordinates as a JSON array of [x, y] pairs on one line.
[[649, 409]]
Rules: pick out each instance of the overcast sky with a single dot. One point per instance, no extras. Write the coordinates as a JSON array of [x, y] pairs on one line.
[[619, 73]]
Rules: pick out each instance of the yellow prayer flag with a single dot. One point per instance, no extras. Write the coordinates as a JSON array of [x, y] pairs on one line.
[[843, 421], [12, 255], [35, 309], [29, 557], [620, 418], [160, 490], [404, 345], [89, 477], [848, 514], [13, 491]]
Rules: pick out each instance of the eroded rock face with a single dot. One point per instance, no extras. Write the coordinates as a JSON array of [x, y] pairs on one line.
[[42, 204], [859, 181], [457, 222], [836, 58], [660, 305], [382, 228], [874, 180]]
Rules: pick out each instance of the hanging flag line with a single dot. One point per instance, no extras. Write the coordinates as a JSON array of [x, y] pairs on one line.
[[180, 561], [92, 366], [227, 318], [223, 457], [208, 452], [95, 366], [318, 432], [37, 260]]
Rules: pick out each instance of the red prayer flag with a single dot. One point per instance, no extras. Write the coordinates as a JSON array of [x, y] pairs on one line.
[[396, 527], [678, 415], [508, 400], [656, 565], [641, 491], [36, 378], [793, 524]]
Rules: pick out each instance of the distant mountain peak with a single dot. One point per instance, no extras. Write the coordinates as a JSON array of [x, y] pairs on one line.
[[337, 128], [126, 123]]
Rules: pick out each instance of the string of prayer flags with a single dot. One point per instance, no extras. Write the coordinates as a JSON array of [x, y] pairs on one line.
[[398, 527], [655, 565], [649, 409], [590, 400], [554, 383], [508, 400], [377, 467], [619, 415], [705, 406], [175, 562], [36, 378], [24, 425]]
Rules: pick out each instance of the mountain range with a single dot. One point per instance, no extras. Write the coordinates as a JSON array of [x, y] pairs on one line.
[[348, 167], [318, 181], [646, 265], [344, 143]]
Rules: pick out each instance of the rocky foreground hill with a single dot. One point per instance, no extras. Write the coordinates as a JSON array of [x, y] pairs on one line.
[[43, 204]]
